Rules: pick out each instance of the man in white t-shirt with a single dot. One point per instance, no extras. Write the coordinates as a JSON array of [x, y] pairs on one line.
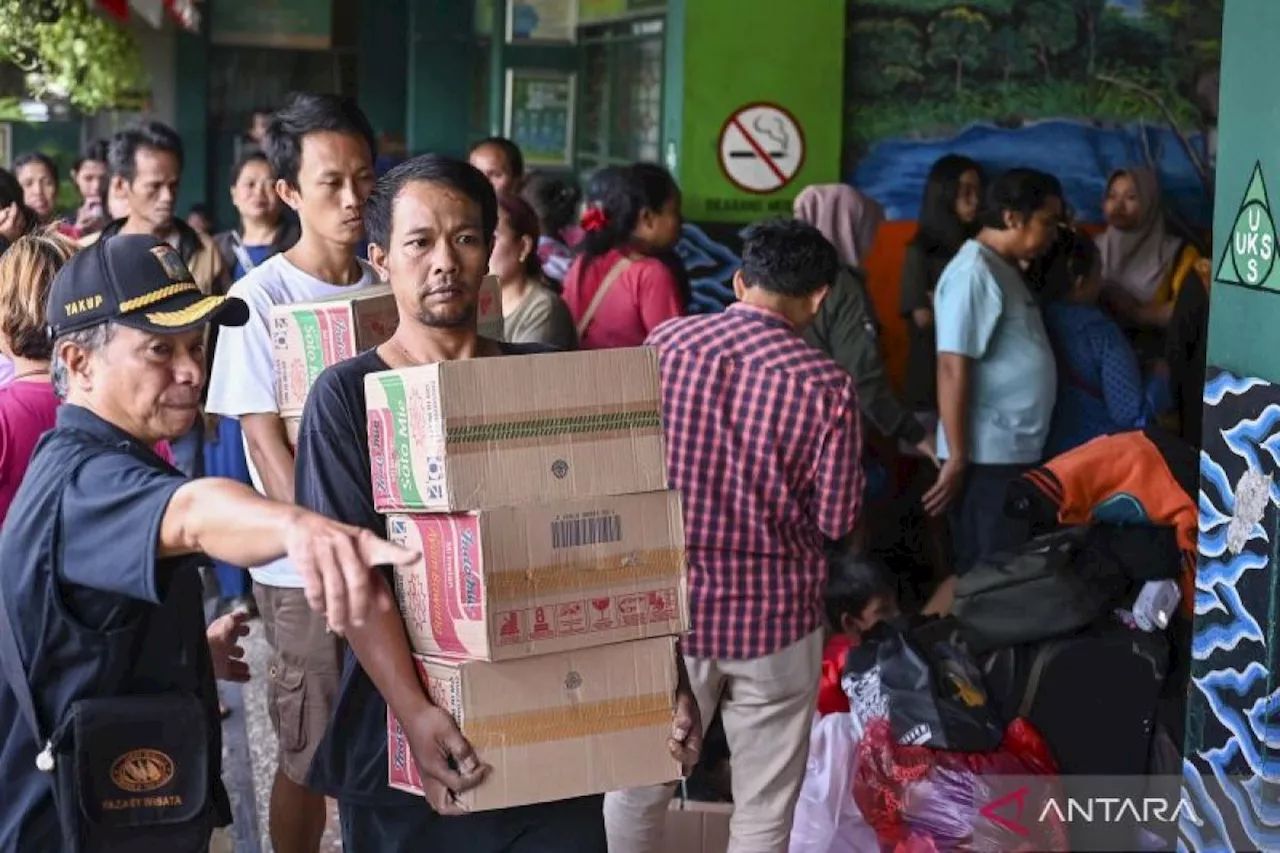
[[321, 150]]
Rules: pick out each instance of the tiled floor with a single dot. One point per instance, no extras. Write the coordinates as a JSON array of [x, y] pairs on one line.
[[248, 764]]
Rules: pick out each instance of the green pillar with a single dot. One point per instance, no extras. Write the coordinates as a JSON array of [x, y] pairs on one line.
[[1244, 317], [191, 114], [442, 50], [1232, 729], [764, 83], [497, 68], [383, 74]]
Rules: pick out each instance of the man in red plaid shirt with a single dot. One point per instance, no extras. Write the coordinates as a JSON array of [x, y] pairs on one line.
[[763, 442]]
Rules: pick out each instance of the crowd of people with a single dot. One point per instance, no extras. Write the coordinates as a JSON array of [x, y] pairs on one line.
[[141, 448]]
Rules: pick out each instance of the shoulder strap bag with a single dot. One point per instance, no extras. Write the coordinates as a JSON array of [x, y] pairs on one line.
[[609, 279]]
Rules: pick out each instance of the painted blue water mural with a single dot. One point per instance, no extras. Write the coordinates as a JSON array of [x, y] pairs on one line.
[[1080, 154]]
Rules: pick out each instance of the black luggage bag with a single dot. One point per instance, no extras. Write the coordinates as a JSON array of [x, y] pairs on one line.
[[1094, 696]]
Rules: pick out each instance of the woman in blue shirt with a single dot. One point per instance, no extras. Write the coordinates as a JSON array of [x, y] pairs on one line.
[[1100, 386]]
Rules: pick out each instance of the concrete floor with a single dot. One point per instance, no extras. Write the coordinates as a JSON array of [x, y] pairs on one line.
[[248, 758]]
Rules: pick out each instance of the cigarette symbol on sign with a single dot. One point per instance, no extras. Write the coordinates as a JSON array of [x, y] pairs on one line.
[[772, 128]]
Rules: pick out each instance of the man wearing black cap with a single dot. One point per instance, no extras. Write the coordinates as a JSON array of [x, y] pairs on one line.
[[109, 729]]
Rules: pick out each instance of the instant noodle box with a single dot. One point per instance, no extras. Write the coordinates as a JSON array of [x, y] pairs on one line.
[[308, 337], [556, 726], [489, 432], [525, 580]]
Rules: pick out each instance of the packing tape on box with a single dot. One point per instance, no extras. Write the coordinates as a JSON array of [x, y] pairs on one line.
[[463, 436], [592, 718], [555, 578]]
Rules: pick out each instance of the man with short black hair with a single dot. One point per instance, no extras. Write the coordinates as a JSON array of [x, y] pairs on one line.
[[501, 161], [320, 148], [106, 671], [764, 446], [431, 224], [145, 161], [997, 377]]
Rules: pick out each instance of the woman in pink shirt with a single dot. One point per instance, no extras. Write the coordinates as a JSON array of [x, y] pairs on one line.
[[27, 404], [619, 289]]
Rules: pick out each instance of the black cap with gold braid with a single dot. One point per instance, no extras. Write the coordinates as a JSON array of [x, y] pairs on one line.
[[137, 281]]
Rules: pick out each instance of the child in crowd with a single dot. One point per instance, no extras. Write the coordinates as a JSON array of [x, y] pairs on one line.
[[860, 594], [555, 200]]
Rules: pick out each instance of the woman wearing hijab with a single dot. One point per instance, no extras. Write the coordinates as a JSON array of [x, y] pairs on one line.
[[846, 327], [1144, 264], [1158, 282]]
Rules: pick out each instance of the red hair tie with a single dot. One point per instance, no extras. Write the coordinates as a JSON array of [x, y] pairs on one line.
[[594, 219]]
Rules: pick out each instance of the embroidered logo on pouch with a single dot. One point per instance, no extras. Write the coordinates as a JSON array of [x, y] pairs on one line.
[[142, 770]]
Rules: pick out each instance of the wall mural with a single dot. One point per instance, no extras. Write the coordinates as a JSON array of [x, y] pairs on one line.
[[711, 265], [1073, 87], [1230, 772]]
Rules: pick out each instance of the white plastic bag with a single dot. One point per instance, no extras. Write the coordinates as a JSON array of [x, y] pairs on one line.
[[827, 819]]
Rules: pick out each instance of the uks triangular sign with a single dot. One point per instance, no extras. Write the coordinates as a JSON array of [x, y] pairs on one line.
[[1250, 254]]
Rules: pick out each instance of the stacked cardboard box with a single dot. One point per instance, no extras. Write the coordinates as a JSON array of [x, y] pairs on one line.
[[552, 582], [308, 337]]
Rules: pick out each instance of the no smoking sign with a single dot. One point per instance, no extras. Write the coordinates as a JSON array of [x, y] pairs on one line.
[[761, 148]]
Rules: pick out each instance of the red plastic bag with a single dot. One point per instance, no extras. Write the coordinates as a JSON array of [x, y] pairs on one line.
[[919, 800]]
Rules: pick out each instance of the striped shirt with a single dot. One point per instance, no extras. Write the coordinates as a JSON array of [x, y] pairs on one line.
[[763, 442]]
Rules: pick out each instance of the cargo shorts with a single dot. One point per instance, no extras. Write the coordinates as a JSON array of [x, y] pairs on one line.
[[303, 678]]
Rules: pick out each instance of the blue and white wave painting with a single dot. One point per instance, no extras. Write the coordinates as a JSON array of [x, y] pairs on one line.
[[1233, 726], [711, 266]]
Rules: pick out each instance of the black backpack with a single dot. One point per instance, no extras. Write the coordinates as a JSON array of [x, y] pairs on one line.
[[1059, 583]]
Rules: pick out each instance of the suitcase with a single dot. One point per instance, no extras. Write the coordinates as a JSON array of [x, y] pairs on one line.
[[1094, 696]]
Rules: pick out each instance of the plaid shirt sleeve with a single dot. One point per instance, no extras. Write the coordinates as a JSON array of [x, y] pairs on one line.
[[839, 482]]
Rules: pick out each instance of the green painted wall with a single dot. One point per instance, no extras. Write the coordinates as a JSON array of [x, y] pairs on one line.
[[191, 119], [442, 50], [382, 71], [1242, 320], [739, 52]]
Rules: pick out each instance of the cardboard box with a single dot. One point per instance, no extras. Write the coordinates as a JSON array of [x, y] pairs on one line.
[[556, 726], [512, 582], [697, 827], [309, 336], [488, 432]]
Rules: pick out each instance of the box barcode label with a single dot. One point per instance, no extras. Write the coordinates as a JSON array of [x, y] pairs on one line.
[[576, 532]]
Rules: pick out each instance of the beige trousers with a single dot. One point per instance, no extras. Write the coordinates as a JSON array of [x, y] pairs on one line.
[[766, 705]]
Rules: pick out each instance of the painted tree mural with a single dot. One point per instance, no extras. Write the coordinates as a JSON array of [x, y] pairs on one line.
[[943, 63]]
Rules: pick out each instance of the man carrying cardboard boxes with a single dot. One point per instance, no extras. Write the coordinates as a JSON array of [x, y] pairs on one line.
[[763, 443], [431, 224], [321, 149]]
